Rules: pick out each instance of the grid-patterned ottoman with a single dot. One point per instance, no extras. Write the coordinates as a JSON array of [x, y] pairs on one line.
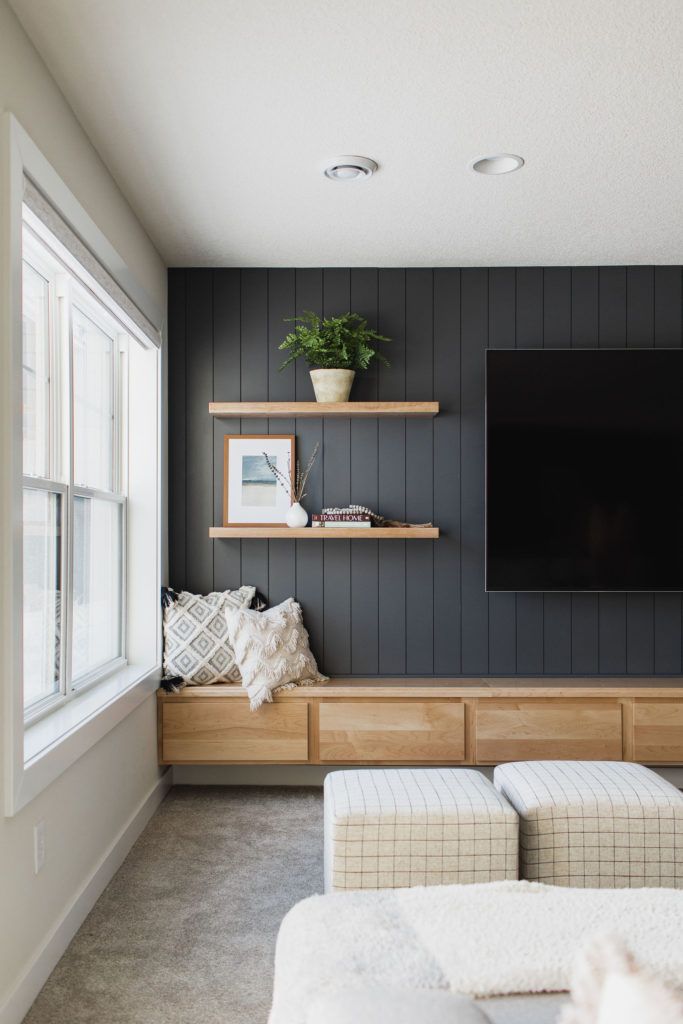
[[595, 824], [396, 827]]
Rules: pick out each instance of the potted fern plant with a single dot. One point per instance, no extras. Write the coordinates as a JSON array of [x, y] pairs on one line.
[[335, 348]]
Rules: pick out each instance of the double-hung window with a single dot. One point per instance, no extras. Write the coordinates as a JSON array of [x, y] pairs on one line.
[[82, 546], [75, 481]]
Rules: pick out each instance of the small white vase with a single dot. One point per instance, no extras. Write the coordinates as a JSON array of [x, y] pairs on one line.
[[332, 385], [297, 516]]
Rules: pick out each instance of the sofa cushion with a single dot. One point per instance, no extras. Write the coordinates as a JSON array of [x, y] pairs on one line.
[[498, 938], [377, 1003]]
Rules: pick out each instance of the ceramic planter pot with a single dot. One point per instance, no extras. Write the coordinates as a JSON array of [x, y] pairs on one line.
[[332, 385]]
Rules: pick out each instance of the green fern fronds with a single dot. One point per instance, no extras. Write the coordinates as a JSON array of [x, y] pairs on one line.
[[335, 343]]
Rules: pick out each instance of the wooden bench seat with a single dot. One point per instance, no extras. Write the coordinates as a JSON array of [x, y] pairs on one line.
[[428, 721]]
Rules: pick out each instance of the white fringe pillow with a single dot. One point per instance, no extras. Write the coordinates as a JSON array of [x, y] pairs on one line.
[[610, 987], [271, 650]]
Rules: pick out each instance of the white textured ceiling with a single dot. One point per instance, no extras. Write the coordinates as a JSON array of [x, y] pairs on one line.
[[214, 116]]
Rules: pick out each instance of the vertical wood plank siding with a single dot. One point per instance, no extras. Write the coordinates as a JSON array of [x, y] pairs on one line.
[[405, 608]]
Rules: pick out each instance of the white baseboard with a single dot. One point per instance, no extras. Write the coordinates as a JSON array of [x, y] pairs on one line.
[[29, 985]]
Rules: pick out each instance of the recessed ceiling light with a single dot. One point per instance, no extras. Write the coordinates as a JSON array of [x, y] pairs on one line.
[[502, 163], [349, 168]]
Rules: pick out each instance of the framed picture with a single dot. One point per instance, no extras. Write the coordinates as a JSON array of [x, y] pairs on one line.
[[251, 494]]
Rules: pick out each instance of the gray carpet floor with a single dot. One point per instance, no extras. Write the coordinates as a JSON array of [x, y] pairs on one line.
[[185, 932]]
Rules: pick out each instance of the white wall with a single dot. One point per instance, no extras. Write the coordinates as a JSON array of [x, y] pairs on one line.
[[29, 92], [88, 808]]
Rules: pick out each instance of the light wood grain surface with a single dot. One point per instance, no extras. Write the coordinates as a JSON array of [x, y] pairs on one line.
[[222, 731], [658, 731], [399, 733], [403, 686], [427, 721], [518, 730], [324, 533], [308, 410]]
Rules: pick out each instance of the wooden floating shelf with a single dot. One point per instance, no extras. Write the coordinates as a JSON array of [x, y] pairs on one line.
[[314, 410], [324, 533]]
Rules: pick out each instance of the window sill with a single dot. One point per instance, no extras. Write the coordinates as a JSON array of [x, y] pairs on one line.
[[58, 740]]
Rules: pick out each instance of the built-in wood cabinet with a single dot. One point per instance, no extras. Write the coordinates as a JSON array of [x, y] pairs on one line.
[[658, 731], [547, 729], [220, 731], [399, 731], [427, 721]]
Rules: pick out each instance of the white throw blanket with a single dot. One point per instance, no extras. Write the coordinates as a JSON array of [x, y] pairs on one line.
[[492, 939]]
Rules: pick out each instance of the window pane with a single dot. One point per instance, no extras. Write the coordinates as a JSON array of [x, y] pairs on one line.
[[35, 371], [93, 370], [97, 584], [42, 594]]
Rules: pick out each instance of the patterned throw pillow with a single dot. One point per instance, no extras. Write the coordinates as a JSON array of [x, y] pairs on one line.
[[196, 645], [271, 650]]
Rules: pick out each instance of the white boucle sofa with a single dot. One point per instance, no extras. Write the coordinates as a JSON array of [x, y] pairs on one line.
[[482, 940]]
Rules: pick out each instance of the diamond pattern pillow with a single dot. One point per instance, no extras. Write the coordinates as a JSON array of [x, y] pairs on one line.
[[196, 644], [271, 650]]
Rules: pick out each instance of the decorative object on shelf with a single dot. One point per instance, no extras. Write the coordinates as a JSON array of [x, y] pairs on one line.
[[272, 650], [333, 520], [294, 486], [336, 347], [375, 518], [332, 385], [251, 496], [196, 646], [297, 517]]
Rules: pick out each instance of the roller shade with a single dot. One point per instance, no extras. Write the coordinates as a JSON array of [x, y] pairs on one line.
[[46, 213]]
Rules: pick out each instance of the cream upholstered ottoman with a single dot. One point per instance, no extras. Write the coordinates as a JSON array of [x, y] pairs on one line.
[[595, 824], [396, 827]]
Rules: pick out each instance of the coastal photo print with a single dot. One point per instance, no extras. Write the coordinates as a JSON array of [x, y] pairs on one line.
[[251, 494]]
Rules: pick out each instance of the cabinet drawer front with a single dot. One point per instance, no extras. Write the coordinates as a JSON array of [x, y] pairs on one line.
[[545, 730], [392, 733], [658, 731], [227, 730]]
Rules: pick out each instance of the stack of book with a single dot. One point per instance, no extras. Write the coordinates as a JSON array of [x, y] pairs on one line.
[[340, 519]]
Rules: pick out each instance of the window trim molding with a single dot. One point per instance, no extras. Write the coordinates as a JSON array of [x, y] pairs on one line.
[[121, 694], [20, 158], [36, 167]]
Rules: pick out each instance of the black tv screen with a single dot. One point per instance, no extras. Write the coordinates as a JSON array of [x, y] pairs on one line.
[[584, 466]]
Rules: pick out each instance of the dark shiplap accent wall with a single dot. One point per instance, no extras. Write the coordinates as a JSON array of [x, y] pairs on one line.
[[395, 607]]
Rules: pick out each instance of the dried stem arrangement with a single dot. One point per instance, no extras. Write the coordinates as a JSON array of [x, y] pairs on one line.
[[294, 486]]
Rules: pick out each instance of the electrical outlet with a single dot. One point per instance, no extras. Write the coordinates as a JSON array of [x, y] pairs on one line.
[[38, 846]]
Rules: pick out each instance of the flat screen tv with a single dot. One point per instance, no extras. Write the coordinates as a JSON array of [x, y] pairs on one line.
[[584, 470]]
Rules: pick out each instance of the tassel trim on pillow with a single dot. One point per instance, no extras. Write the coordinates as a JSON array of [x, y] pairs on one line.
[[174, 684]]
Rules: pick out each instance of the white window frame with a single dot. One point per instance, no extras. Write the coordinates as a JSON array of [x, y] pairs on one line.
[[66, 294], [34, 757]]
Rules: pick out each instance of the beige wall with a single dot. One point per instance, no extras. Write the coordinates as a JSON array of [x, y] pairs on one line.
[[85, 809]]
